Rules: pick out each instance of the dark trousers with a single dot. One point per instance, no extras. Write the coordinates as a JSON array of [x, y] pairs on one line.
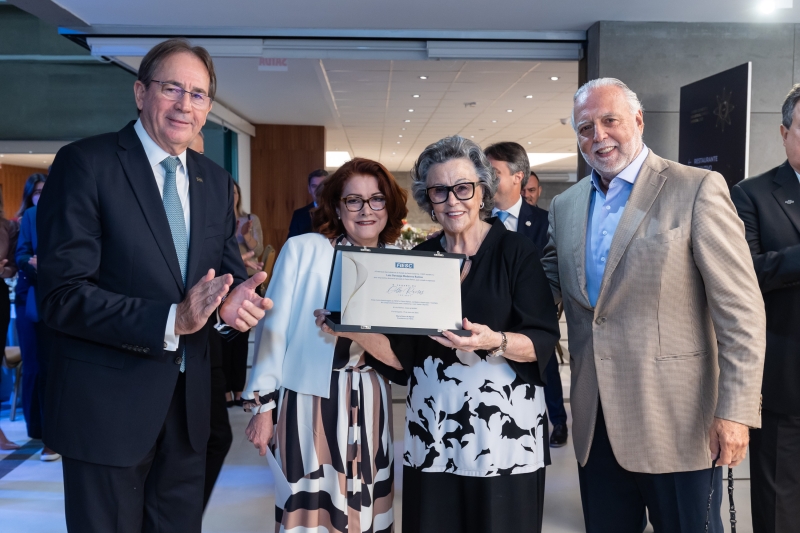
[[31, 395], [554, 393], [616, 500], [161, 494], [234, 361], [221, 437], [775, 473]]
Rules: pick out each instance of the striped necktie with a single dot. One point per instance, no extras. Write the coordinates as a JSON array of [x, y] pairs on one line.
[[177, 221]]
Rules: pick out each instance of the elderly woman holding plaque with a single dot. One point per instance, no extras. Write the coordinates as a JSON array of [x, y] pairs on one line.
[[333, 450], [476, 440]]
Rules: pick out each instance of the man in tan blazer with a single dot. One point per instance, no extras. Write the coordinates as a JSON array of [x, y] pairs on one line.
[[666, 324]]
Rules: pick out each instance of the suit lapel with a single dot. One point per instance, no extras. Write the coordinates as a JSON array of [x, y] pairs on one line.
[[788, 193], [645, 190], [197, 201], [578, 226], [140, 175]]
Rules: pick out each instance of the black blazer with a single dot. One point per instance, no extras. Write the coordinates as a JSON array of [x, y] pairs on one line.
[[301, 221], [769, 206], [108, 273], [537, 229]]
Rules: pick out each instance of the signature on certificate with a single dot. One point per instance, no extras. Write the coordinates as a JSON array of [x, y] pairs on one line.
[[405, 290]]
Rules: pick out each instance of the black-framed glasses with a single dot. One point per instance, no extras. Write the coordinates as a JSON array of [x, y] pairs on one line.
[[356, 203], [175, 93], [438, 194]]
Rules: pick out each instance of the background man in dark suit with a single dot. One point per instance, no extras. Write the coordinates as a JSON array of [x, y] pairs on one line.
[[301, 218], [513, 168], [769, 206], [532, 190], [132, 229]]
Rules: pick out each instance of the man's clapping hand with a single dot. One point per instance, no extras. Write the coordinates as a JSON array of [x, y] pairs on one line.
[[201, 300], [244, 307]]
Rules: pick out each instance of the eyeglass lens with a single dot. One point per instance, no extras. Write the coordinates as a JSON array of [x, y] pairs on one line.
[[356, 203], [462, 191], [173, 92]]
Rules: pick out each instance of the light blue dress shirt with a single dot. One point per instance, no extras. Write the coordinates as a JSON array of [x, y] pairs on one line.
[[605, 212]]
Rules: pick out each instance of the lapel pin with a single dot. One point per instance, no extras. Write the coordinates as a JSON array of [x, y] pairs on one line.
[[789, 202], [198, 178], [527, 222]]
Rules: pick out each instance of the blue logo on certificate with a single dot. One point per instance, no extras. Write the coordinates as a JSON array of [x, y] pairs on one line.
[[404, 265]]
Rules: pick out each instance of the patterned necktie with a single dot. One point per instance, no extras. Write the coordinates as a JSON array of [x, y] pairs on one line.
[[503, 216], [177, 221]]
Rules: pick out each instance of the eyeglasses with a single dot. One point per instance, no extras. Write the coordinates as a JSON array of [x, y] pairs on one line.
[[356, 203], [175, 93], [440, 193]]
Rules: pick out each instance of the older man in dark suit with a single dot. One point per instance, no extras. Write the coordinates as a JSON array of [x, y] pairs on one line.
[[513, 169], [133, 230], [769, 206]]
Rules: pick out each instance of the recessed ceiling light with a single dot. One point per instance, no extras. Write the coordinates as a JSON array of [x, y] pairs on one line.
[[394, 153], [529, 96], [399, 135], [423, 77], [415, 96], [509, 110], [410, 110], [529, 142], [471, 136], [494, 121], [402, 129], [554, 78], [408, 120], [398, 142]]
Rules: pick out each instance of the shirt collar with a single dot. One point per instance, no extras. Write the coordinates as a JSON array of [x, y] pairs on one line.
[[155, 154], [513, 210], [629, 173]]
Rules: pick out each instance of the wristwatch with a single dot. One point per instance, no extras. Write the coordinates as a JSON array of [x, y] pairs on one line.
[[497, 352]]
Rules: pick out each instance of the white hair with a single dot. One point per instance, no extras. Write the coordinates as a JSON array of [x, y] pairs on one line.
[[630, 96]]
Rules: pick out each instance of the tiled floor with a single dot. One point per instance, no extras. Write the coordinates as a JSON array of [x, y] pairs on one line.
[[31, 499]]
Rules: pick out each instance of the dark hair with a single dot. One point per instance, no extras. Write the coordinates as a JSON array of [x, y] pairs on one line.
[[27, 192], [153, 59], [538, 181], [326, 221], [319, 173], [789, 103], [238, 207], [514, 155]]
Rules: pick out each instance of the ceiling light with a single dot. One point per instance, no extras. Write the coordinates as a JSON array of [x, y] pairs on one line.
[[553, 78], [408, 120], [394, 153], [336, 159], [529, 142], [410, 110], [471, 136], [509, 110], [423, 77], [494, 121], [403, 129], [766, 7], [541, 159], [415, 96], [1, 155], [399, 135], [529, 96]]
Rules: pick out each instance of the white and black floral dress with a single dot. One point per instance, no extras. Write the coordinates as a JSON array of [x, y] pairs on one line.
[[476, 439]]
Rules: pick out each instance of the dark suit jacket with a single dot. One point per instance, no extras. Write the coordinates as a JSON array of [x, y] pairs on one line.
[[301, 221], [108, 273], [769, 205], [537, 230]]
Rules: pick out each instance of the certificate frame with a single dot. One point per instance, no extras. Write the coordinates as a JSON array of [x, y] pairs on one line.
[[333, 320]]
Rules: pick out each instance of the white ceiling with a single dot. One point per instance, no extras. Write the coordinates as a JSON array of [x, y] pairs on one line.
[[465, 15], [42, 161]]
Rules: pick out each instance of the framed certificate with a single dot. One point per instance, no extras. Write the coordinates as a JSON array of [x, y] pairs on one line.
[[381, 290]]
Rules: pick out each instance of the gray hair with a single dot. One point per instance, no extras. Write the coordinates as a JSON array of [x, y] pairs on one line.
[[447, 149], [633, 100], [788, 105]]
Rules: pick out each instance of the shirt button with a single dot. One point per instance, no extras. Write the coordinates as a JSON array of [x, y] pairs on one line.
[[603, 259], [608, 207], [178, 360], [601, 320], [605, 232]]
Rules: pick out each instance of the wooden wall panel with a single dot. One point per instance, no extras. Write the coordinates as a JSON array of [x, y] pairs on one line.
[[12, 181], [282, 157]]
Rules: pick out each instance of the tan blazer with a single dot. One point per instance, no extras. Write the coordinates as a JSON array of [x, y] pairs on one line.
[[678, 271]]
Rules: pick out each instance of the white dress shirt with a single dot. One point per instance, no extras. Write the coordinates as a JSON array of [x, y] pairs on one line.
[[155, 155], [512, 221]]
